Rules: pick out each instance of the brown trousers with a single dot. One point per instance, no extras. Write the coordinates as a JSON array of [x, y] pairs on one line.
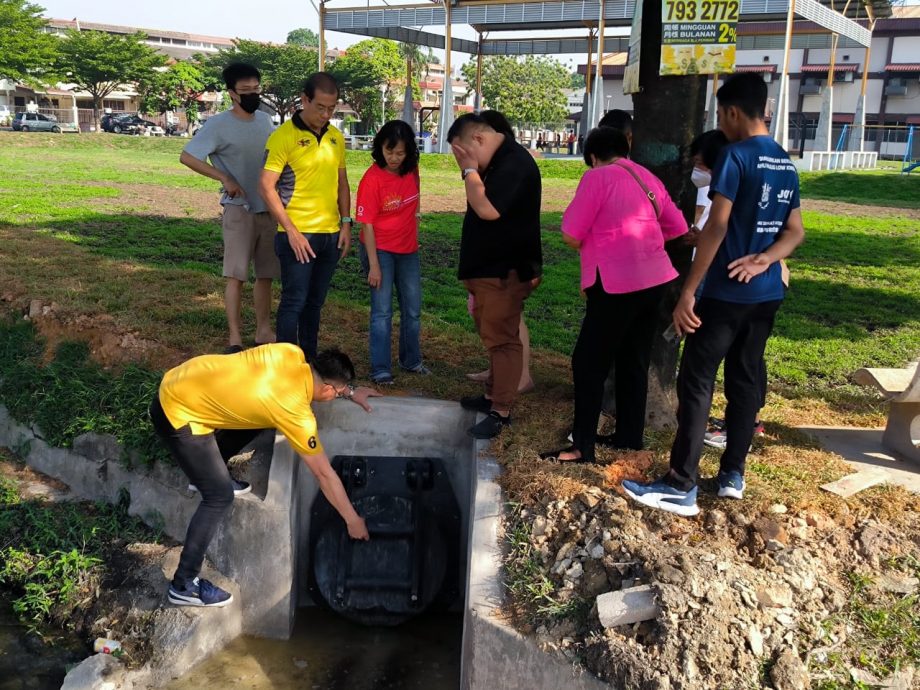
[[498, 305]]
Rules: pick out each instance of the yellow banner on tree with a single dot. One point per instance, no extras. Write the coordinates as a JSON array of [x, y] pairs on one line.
[[698, 36]]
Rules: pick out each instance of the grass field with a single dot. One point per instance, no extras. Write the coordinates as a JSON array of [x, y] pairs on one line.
[[123, 240]]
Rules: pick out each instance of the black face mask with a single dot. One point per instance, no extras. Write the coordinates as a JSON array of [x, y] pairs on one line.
[[250, 102]]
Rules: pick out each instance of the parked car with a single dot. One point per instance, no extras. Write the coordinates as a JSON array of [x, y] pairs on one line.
[[130, 123], [38, 122]]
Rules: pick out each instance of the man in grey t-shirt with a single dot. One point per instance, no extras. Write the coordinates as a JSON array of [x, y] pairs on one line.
[[234, 141]]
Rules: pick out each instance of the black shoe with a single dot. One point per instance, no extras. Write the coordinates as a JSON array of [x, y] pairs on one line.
[[233, 349], [476, 403], [490, 427]]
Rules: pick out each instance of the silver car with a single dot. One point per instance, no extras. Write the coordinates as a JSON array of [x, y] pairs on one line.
[[38, 122]]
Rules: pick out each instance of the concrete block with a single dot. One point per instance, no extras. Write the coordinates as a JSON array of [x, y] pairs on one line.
[[12, 434], [98, 672], [627, 606], [85, 477], [99, 447], [854, 483]]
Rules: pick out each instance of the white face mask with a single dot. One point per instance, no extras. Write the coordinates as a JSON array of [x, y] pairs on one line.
[[700, 177]]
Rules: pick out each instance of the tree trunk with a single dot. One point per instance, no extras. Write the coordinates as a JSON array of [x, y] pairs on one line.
[[667, 115], [97, 106]]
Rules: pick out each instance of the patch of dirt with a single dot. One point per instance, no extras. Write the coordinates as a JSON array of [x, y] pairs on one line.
[[741, 588], [163, 201], [841, 208], [109, 345]]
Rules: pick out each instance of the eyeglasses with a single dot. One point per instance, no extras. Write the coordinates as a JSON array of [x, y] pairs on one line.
[[257, 91], [345, 392]]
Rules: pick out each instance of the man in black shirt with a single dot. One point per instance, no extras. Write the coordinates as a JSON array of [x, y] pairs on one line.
[[501, 260]]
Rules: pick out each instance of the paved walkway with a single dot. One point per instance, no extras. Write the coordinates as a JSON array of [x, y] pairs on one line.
[[862, 448]]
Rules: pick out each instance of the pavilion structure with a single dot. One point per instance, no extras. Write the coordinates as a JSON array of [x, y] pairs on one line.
[[543, 20]]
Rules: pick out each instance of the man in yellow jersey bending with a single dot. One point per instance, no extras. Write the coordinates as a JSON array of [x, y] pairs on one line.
[[268, 387], [305, 188]]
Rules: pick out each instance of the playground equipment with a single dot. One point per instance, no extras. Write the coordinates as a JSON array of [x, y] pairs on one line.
[[911, 152]]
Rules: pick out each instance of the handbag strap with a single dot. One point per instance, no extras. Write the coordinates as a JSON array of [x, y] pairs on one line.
[[648, 192]]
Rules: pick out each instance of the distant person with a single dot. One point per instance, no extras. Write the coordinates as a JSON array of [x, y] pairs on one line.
[[571, 143], [305, 187], [201, 402], [619, 220], [387, 208], [621, 120], [499, 123], [501, 259], [540, 143], [754, 223], [234, 141]]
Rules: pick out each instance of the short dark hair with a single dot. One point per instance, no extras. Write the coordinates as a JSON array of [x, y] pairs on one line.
[[320, 81], [239, 70], [464, 122], [617, 119], [747, 92], [605, 143], [333, 365], [708, 146], [497, 121], [390, 134]]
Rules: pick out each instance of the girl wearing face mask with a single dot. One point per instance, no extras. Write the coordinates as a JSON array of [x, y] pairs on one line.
[[704, 151], [619, 220]]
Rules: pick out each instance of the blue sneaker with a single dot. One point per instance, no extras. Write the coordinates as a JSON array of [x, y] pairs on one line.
[[661, 495], [199, 593], [731, 485]]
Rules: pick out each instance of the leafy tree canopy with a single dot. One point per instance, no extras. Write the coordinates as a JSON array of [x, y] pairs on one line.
[[304, 37], [26, 52], [99, 63], [176, 88], [363, 69], [527, 91]]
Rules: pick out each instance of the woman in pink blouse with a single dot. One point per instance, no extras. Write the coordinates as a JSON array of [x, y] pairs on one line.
[[619, 220]]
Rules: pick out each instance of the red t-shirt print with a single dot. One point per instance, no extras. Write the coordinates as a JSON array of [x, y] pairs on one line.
[[389, 202]]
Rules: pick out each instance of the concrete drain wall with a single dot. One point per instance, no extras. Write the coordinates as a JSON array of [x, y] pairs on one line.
[[263, 545]]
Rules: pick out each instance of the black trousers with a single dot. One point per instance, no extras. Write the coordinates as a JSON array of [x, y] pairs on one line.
[[736, 333], [616, 328], [203, 458]]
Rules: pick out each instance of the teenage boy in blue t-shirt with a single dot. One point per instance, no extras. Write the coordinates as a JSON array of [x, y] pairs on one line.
[[754, 223]]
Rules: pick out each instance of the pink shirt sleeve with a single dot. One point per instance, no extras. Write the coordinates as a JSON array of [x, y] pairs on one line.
[[582, 211], [672, 221]]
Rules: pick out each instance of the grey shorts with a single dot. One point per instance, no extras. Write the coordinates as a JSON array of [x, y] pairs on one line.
[[249, 238]]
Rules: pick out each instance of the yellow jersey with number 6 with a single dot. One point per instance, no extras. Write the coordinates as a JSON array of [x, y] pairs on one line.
[[267, 387]]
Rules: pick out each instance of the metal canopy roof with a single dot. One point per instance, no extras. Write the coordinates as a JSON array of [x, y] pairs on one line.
[[394, 21]]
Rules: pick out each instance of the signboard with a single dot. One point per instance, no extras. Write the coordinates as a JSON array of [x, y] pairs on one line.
[[631, 73], [698, 36]]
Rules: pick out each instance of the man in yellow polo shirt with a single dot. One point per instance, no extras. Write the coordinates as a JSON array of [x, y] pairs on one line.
[[305, 188], [268, 387]]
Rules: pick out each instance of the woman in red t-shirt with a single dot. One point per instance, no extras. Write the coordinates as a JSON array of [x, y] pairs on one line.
[[388, 203]]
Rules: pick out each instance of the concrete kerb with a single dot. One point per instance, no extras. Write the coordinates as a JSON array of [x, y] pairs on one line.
[[262, 546]]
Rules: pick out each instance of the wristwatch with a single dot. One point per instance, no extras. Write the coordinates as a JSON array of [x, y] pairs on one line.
[[467, 171], [346, 219]]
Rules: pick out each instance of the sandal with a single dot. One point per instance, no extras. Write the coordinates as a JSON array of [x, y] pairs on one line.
[[553, 456]]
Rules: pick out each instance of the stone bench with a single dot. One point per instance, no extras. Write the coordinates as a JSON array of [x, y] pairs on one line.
[[902, 389]]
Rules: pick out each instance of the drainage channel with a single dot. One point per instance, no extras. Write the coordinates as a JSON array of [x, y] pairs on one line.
[[328, 652], [27, 663], [387, 613]]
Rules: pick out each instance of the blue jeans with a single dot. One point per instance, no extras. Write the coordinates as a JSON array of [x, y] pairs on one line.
[[303, 289], [403, 271]]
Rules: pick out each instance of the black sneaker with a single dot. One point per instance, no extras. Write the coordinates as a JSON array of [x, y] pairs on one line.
[[476, 403], [239, 488], [199, 593], [490, 427]]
